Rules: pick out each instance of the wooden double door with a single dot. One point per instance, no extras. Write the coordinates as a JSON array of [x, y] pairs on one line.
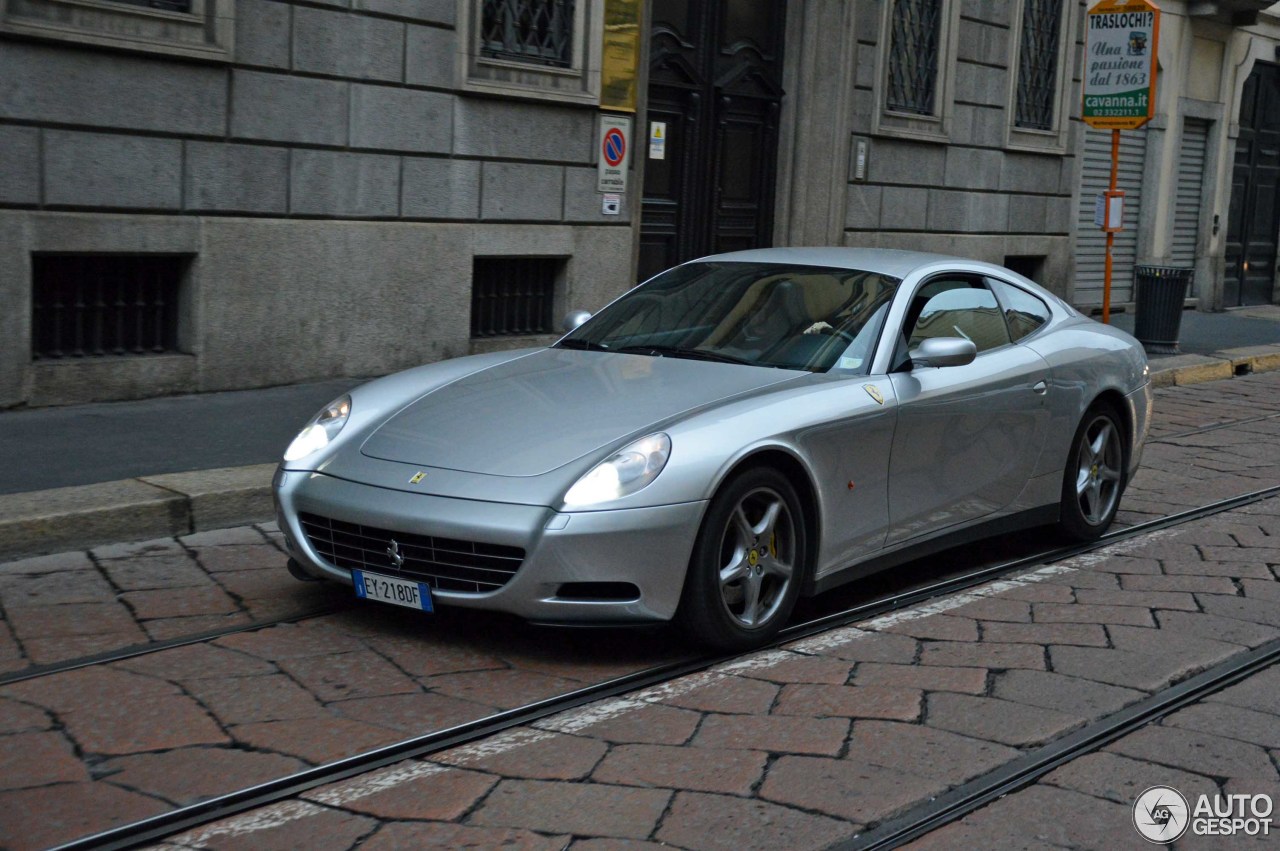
[[1253, 224], [714, 97]]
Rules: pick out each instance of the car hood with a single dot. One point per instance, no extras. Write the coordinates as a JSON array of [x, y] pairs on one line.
[[528, 416]]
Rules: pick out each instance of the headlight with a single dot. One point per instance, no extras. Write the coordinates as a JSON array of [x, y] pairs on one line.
[[625, 473], [323, 428]]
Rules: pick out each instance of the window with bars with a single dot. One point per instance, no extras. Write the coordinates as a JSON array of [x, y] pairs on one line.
[[1038, 64], [166, 5], [914, 43], [535, 31], [513, 296], [94, 305]]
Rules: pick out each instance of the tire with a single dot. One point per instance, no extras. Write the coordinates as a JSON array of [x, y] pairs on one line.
[[1094, 478], [748, 563]]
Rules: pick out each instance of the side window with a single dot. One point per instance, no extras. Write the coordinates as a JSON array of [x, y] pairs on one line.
[[956, 307], [1023, 312]]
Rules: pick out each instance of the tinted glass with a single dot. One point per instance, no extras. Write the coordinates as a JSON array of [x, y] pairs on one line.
[[793, 317], [1023, 312]]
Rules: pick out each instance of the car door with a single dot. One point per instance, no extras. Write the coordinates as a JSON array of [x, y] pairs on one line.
[[967, 437]]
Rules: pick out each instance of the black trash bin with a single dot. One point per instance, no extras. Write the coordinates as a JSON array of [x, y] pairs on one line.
[[1159, 292]]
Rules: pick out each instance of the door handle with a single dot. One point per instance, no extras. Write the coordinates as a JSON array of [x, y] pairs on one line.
[[1040, 388]]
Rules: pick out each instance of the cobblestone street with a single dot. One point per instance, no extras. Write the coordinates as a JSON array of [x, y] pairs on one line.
[[801, 747]]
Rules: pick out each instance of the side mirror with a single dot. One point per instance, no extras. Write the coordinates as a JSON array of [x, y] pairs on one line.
[[573, 319], [943, 351]]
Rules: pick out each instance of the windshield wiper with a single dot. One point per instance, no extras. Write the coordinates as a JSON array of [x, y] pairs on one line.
[[678, 352], [585, 345]]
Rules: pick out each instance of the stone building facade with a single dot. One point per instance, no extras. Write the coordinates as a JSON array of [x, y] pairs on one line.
[[313, 188]]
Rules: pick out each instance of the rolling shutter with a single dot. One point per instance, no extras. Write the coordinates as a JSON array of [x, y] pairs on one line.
[[1186, 211], [1091, 242]]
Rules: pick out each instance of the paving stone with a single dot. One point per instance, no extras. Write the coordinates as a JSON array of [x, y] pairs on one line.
[[732, 695], [1196, 752], [160, 722], [164, 629], [196, 661], [821, 701], [987, 654], [38, 759], [617, 845], [1258, 692], [647, 724], [1269, 555], [1141, 599], [924, 677], [291, 641], [1039, 592], [42, 622], [996, 609], [341, 676], [925, 751], [1242, 608], [1087, 580], [154, 573], [1038, 817], [1236, 569], [51, 589], [1154, 642], [159, 548], [234, 536], [247, 700], [1232, 722], [1077, 613], [1117, 778], [427, 658], [18, 717], [504, 688], [396, 836], [260, 557], [544, 756], [434, 792], [316, 740], [1083, 698], [179, 602], [1215, 627], [700, 820], [794, 735], [171, 776], [411, 714], [46, 651], [997, 720], [54, 563], [846, 789], [937, 627], [577, 808], [728, 770], [1119, 667], [54, 815], [859, 645], [1126, 565], [796, 668], [1086, 634], [1261, 589], [1191, 584]]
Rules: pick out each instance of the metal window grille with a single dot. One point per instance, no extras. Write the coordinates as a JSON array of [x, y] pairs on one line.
[[537, 31], [1038, 64], [512, 296], [94, 305], [166, 5], [913, 56]]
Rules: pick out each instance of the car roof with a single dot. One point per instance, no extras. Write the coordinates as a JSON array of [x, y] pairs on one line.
[[885, 261]]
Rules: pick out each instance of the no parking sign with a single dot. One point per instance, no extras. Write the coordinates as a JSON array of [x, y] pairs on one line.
[[615, 150]]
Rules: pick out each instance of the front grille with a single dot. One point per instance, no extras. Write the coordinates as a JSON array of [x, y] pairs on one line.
[[444, 564]]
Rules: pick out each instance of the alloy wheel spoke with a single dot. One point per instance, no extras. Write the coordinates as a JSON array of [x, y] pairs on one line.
[[764, 529], [736, 569], [746, 534], [776, 567], [750, 600], [1100, 443]]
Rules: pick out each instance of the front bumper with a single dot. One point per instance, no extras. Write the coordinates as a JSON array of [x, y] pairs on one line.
[[645, 547]]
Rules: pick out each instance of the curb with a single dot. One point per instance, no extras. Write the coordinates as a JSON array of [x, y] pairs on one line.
[[177, 504]]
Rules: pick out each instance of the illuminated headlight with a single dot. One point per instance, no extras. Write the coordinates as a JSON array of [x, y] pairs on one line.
[[624, 473], [322, 429]]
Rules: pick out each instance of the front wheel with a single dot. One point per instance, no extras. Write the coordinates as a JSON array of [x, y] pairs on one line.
[[1094, 478], [747, 565]]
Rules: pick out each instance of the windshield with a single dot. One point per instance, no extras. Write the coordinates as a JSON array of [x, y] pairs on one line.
[[763, 314]]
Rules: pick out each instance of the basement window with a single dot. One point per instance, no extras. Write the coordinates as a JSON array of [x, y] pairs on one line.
[[513, 296]]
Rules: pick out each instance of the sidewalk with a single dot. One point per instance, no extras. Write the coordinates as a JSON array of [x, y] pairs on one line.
[[79, 476]]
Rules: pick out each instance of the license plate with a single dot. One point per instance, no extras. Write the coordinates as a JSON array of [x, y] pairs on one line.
[[388, 589]]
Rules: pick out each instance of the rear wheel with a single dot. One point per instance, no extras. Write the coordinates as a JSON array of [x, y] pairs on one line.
[[747, 565], [1094, 478]]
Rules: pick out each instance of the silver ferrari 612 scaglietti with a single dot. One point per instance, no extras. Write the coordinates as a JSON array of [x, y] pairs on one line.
[[733, 433]]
